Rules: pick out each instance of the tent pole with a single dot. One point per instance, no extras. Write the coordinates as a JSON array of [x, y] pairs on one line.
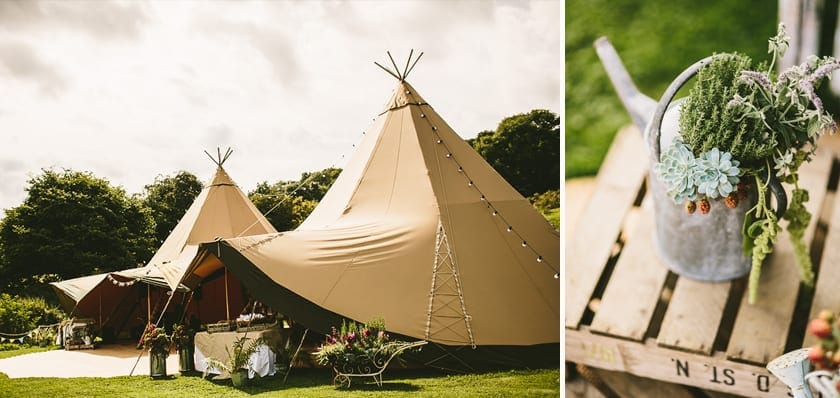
[[294, 357], [148, 305], [227, 301], [100, 310]]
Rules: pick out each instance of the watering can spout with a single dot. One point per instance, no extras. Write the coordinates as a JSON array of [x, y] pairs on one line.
[[639, 106]]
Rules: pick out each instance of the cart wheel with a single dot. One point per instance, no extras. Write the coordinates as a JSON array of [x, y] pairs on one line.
[[341, 381]]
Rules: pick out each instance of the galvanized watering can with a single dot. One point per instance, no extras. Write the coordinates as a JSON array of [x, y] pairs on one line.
[[705, 247]]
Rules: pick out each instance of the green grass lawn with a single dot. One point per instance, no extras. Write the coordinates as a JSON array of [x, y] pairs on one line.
[[301, 383], [656, 39]]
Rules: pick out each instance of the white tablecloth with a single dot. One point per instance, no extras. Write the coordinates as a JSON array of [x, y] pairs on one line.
[[213, 345]]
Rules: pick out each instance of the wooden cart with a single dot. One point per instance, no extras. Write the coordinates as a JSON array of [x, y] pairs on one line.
[[632, 320]]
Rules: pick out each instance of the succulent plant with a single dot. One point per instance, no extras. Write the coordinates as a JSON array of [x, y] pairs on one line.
[[677, 168], [716, 173]]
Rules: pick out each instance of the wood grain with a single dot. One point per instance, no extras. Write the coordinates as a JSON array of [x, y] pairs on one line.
[[588, 249]]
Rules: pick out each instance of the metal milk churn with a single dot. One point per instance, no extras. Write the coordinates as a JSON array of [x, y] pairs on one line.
[[705, 247]]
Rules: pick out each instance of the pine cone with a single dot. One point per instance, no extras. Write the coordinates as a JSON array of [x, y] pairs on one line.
[[690, 207], [731, 200], [704, 205]]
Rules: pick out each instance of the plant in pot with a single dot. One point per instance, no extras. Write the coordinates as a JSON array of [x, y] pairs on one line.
[[239, 359], [183, 339], [157, 342], [357, 349], [743, 132]]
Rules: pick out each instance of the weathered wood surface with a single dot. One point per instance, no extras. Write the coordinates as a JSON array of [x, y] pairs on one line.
[[588, 250], [700, 334], [827, 287], [649, 360], [761, 329], [631, 296], [693, 317]]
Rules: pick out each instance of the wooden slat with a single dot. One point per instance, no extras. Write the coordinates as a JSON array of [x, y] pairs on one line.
[[651, 361], [588, 250], [827, 288], [629, 386], [693, 316], [761, 329], [633, 291]]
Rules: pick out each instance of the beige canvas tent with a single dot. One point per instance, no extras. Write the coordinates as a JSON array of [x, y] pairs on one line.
[[221, 210], [420, 230]]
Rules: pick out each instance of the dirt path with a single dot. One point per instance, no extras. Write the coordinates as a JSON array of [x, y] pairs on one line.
[[108, 361]]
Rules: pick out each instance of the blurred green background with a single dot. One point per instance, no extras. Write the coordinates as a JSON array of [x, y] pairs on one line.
[[656, 39]]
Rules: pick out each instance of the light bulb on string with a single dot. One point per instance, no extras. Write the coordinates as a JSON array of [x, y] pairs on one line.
[[509, 228], [469, 184], [524, 244], [483, 198], [556, 275], [439, 141], [539, 259], [449, 155], [460, 169], [495, 213], [422, 115]]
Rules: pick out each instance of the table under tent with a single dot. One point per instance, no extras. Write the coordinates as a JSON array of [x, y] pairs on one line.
[[121, 303]]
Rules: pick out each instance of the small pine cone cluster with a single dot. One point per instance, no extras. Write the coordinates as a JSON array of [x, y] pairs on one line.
[[731, 201], [704, 205]]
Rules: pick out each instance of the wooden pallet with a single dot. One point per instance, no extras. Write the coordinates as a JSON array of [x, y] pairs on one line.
[[626, 312]]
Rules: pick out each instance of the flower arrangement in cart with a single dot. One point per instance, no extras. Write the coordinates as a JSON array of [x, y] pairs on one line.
[[825, 354], [741, 127]]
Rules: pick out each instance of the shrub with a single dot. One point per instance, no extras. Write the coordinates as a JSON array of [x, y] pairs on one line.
[[22, 314]]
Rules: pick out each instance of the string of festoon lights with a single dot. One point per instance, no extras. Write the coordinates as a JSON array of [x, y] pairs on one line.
[[120, 283], [20, 337], [493, 211]]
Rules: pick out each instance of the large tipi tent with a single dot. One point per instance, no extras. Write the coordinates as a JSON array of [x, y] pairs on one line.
[[420, 230], [221, 210]]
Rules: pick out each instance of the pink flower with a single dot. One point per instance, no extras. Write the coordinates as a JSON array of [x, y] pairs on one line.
[[351, 336], [381, 334]]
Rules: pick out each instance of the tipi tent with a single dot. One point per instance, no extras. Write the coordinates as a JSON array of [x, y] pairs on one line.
[[221, 210], [420, 230]]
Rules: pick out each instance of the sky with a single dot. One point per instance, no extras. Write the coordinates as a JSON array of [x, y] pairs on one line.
[[133, 90]]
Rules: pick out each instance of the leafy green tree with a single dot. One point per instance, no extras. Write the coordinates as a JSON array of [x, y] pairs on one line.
[[168, 198], [72, 224], [525, 150], [287, 203]]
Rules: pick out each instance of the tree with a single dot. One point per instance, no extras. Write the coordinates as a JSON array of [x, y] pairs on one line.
[[72, 224], [287, 203], [525, 150], [168, 198]]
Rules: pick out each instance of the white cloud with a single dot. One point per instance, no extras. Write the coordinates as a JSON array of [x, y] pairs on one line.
[[141, 89]]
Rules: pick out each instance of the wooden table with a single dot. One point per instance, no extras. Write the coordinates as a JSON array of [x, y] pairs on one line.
[[626, 313]]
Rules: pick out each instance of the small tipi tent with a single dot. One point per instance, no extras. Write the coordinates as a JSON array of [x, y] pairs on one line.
[[420, 230], [221, 210]]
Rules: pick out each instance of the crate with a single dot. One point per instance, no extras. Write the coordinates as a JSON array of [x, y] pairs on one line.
[[625, 312]]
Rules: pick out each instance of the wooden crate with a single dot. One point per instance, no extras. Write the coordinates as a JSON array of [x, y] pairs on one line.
[[626, 312]]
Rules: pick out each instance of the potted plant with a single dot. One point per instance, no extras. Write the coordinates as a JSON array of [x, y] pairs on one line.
[[157, 342], [183, 339], [825, 354], [238, 360], [742, 127]]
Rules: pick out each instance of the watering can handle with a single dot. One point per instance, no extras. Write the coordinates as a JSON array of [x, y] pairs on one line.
[[655, 128]]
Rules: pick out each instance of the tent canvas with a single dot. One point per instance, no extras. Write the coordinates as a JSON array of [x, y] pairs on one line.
[[220, 210], [420, 230]]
